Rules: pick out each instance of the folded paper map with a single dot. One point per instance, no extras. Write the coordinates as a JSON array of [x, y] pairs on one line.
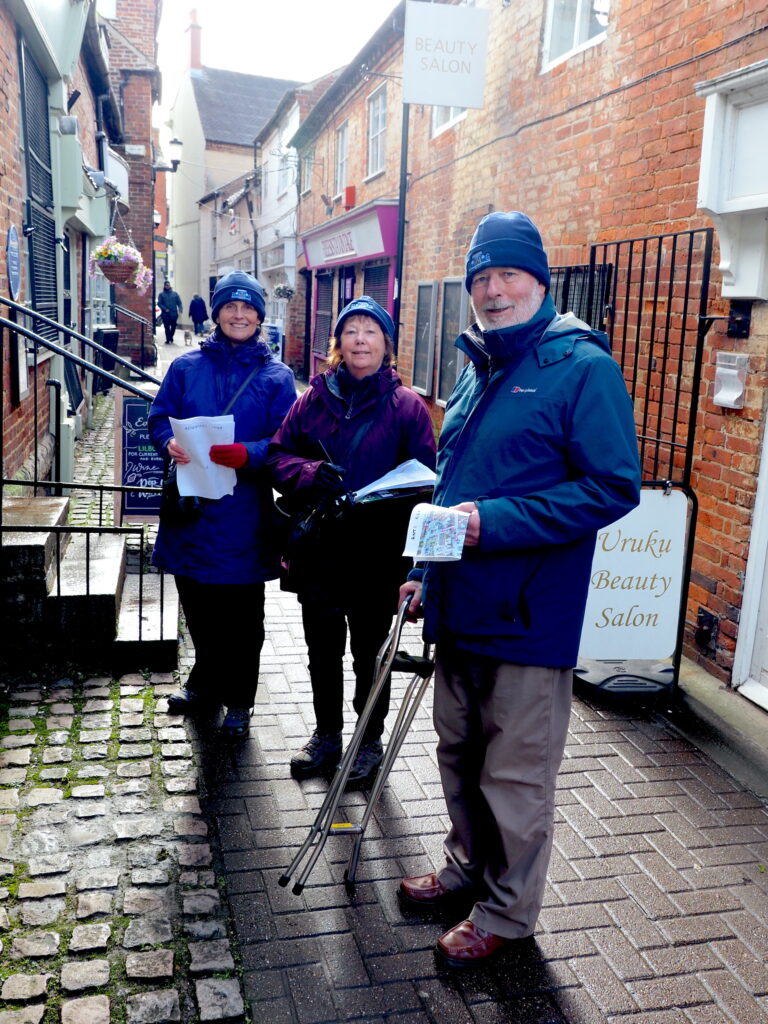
[[436, 534]]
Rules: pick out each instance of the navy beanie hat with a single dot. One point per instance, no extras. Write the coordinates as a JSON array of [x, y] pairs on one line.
[[238, 286], [366, 306], [507, 240]]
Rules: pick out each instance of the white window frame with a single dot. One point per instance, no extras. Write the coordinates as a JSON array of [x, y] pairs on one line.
[[447, 340], [342, 157], [452, 117], [424, 339], [549, 62], [377, 131], [307, 166]]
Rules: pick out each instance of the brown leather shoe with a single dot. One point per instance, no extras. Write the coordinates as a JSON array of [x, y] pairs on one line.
[[426, 890], [466, 944]]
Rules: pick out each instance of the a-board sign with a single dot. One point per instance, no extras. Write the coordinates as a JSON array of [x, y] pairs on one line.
[[141, 465], [633, 605]]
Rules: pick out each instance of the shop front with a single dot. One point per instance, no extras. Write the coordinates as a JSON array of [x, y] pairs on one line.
[[352, 255]]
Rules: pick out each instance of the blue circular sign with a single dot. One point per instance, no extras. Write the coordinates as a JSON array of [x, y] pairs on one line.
[[13, 261]]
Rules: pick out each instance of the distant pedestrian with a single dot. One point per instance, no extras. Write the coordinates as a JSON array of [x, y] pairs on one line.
[[170, 307], [198, 313]]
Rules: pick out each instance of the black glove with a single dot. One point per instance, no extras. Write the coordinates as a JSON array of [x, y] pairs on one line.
[[328, 479]]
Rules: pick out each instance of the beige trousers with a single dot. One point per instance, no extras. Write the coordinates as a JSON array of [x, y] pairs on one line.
[[502, 730]]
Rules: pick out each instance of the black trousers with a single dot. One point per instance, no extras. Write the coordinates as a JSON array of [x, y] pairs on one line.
[[325, 632], [226, 624], [169, 324]]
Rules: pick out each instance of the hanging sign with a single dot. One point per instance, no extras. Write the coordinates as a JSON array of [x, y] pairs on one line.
[[444, 53], [633, 605]]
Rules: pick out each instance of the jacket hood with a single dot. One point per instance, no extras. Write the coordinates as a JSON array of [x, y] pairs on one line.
[[552, 334]]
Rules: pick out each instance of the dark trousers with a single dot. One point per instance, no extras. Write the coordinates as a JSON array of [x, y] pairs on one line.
[[226, 624], [325, 631], [169, 324]]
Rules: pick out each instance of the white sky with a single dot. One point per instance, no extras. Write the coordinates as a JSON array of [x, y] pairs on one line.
[[295, 39]]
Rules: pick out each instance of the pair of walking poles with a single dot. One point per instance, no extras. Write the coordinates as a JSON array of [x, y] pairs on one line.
[[388, 660]]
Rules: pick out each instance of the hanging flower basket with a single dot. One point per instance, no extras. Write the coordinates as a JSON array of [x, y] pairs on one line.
[[118, 273], [283, 291], [121, 264]]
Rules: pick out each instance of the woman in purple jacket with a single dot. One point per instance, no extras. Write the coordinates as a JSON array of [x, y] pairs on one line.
[[354, 423]]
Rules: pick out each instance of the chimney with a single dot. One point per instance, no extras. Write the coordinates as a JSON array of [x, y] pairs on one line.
[[195, 30]]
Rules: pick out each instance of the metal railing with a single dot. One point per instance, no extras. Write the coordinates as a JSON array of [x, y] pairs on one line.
[[136, 533], [145, 328]]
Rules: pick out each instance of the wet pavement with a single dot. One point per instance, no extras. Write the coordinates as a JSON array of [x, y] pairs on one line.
[[140, 859]]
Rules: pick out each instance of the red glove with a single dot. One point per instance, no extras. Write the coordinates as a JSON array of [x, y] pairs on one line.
[[232, 455]]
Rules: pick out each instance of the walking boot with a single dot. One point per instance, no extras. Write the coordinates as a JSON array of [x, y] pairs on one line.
[[320, 754], [236, 723], [368, 759]]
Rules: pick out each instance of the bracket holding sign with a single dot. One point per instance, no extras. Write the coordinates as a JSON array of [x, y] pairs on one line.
[[631, 641]]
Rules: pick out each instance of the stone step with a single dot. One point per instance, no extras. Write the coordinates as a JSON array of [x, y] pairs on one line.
[[84, 600], [158, 647], [27, 556]]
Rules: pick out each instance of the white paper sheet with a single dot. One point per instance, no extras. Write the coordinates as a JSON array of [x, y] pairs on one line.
[[201, 477], [408, 474], [436, 534]]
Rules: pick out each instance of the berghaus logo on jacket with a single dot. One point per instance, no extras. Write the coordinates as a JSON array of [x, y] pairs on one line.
[[517, 390]]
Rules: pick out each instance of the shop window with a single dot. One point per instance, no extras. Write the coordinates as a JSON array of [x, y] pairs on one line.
[[323, 314], [452, 323], [376, 283], [424, 341]]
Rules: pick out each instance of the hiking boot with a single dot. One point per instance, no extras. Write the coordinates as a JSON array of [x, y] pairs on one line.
[[368, 759], [321, 753], [189, 702], [236, 723]]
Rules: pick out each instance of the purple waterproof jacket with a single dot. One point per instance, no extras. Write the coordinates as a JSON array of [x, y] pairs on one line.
[[368, 428]]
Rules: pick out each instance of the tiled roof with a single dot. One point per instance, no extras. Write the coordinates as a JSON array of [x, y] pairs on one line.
[[233, 106]]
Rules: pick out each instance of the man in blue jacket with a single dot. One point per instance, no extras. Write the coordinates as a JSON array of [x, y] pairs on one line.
[[538, 446]]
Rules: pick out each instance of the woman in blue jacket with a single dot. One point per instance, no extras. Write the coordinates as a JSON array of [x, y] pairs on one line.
[[221, 559]]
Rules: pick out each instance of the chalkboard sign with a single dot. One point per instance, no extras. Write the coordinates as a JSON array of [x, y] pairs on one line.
[[142, 465]]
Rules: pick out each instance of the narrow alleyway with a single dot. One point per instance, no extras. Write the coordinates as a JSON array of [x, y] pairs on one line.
[[141, 859]]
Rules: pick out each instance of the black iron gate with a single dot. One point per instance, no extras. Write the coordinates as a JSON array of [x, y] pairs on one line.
[[650, 296]]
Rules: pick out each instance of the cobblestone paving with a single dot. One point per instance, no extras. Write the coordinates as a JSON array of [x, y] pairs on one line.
[[110, 908]]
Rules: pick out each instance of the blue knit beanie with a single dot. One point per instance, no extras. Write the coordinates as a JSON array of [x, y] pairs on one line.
[[507, 240], [238, 286], [366, 306]]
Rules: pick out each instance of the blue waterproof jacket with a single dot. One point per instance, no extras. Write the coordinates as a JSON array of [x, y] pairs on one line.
[[233, 541], [540, 432]]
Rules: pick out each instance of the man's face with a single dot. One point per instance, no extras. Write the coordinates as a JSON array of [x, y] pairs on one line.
[[505, 296]]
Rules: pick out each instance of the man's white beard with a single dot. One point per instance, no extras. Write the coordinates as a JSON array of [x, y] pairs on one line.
[[524, 310]]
